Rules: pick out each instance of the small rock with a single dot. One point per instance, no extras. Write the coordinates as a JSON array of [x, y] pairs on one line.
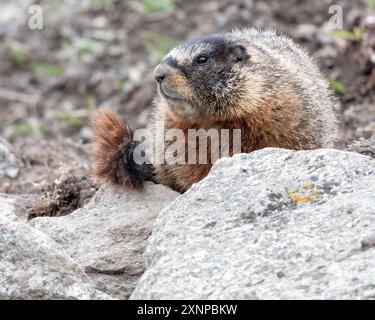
[[33, 266], [108, 236], [368, 242], [9, 164], [305, 31]]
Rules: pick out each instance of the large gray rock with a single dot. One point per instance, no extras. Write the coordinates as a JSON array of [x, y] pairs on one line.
[[33, 266], [9, 164], [273, 224], [108, 236]]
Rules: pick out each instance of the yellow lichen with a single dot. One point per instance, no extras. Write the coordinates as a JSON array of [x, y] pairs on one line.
[[305, 194]]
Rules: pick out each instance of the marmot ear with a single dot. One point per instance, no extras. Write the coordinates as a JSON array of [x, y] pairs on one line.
[[239, 53]]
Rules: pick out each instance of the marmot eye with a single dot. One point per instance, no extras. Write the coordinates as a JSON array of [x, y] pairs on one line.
[[202, 59]]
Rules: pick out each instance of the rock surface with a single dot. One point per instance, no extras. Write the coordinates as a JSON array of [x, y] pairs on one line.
[[107, 237], [7, 208], [9, 164], [33, 266], [273, 224]]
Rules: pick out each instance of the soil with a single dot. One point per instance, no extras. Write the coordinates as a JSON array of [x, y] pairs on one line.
[[98, 53]]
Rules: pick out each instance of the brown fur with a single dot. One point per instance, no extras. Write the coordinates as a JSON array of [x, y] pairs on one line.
[[180, 83], [264, 129], [111, 137]]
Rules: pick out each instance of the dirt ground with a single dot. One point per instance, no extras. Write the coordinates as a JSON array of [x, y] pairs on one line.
[[96, 53]]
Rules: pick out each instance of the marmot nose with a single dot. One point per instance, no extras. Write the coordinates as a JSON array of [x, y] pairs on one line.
[[160, 73]]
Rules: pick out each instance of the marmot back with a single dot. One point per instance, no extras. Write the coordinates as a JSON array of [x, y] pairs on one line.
[[256, 81], [305, 75]]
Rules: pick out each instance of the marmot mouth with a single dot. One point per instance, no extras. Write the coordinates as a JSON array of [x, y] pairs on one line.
[[168, 96]]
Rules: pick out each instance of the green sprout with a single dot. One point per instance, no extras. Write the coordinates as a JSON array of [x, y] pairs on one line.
[[355, 35], [46, 69], [28, 128], [338, 86], [158, 45], [151, 6], [370, 4], [20, 60], [17, 55], [70, 119]]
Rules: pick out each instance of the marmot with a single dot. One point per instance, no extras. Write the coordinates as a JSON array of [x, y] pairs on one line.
[[257, 81]]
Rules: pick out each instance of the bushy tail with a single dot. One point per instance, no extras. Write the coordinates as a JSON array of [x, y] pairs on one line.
[[113, 153]]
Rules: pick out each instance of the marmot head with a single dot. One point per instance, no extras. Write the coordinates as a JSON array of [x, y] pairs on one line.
[[210, 76]]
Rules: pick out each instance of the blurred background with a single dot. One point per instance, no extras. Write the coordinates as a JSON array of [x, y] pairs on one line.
[[93, 53]]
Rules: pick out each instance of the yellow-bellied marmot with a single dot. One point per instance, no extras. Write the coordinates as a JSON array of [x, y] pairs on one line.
[[256, 81]]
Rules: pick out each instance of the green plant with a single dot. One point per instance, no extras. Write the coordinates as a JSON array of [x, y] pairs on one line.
[[338, 86], [87, 45], [370, 4], [20, 60], [355, 35], [17, 55], [28, 128], [151, 6], [69, 118], [46, 69], [158, 45]]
